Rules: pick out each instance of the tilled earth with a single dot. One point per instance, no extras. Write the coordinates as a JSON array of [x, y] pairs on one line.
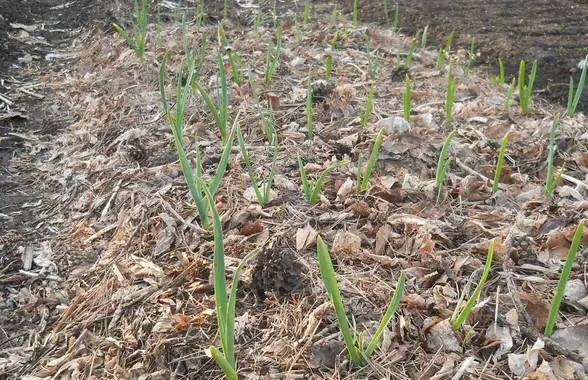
[[106, 273]]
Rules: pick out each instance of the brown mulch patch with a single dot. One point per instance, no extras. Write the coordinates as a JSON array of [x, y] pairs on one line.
[[138, 301]]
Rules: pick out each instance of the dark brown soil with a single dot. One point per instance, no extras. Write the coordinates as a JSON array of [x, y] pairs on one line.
[[551, 32]]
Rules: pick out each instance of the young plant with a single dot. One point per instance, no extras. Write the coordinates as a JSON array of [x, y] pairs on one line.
[[471, 55], [359, 352], [309, 112], [396, 24], [199, 17], [313, 190], [262, 188], [445, 51], [443, 163], [387, 11], [450, 98], [137, 38], [501, 73], [372, 59], [424, 37], [410, 55], [550, 181], [500, 162], [306, 13], [193, 177], [328, 66], [273, 58], [407, 98], [441, 59], [226, 9], [257, 22], [225, 302], [526, 90], [365, 177], [220, 109], [236, 64], [333, 42], [465, 313], [563, 280], [355, 13], [369, 107], [574, 98], [334, 16], [266, 115]]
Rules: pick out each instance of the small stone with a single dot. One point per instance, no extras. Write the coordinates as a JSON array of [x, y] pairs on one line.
[[393, 125]]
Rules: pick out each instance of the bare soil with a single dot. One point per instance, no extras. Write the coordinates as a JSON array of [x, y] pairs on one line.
[[551, 32]]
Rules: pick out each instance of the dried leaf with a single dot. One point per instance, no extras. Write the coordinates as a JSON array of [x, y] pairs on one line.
[[305, 237], [252, 228], [346, 243]]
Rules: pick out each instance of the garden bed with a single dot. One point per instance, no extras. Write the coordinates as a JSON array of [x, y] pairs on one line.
[[117, 280]]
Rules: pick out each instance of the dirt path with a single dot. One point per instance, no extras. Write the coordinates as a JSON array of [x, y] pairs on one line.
[[35, 40]]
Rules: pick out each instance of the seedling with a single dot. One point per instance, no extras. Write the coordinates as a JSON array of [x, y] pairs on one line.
[[458, 322], [328, 66], [225, 302], [574, 98], [441, 59], [306, 13], [372, 59], [226, 9], [471, 55], [445, 51], [550, 181], [410, 54], [563, 279], [407, 98], [501, 73], [526, 90], [424, 37], [387, 10], [334, 16], [267, 117], [443, 163], [355, 13], [262, 188], [257, 22], [450, 98], [193, 177], [364, 178], [273, 57], [219, 110], [222, 36], [500, 162], [369, 107], [396, 24], [313, 190], [309, 113], [199, 17], [137, 37], [359, 352], [236, 64], [334, 40]]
